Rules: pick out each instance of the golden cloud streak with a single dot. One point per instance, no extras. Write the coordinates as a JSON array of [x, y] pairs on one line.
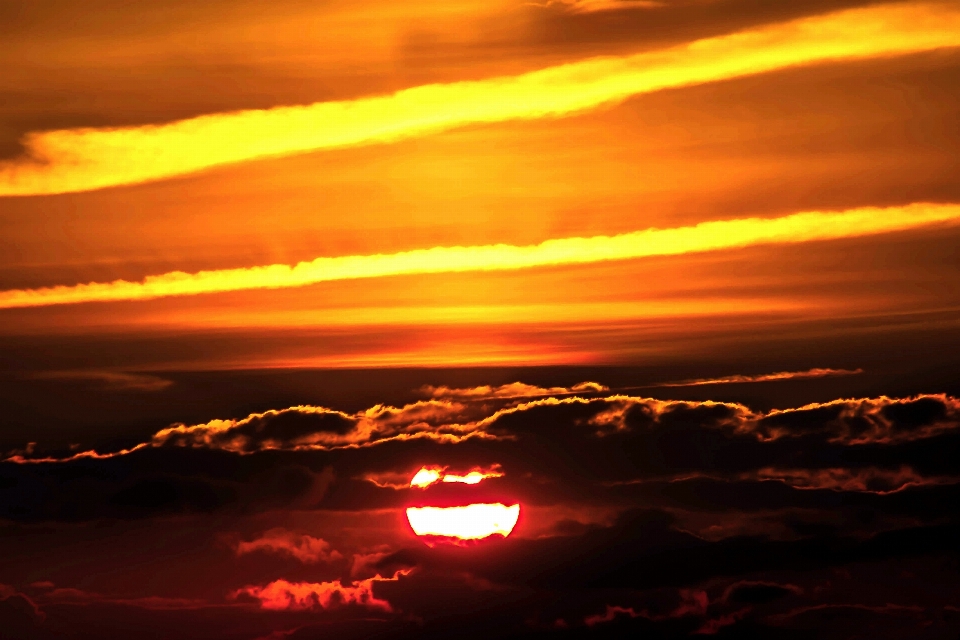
[[73, 160], [706, 236], [766, 377]]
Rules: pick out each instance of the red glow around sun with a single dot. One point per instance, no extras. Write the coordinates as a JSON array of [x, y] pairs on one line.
[[460, 523]]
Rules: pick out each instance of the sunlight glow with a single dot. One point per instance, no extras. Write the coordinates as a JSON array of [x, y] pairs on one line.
[[471, 522]]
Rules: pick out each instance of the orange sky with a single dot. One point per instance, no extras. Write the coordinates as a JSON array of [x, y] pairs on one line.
[[531, 195], [651, 308]]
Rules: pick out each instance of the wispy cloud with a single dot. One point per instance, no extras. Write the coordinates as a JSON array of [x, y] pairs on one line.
[[609, 615], [707, 236], [111, 380], [871, 479], [47, 594], [766, 377], [72, 160], [304, 548], [510, 391]]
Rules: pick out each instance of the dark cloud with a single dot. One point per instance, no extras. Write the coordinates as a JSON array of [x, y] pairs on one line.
[[885, 455], [758, 592], [273, 429], [145, 485], [317, 428], [668, 518], [842, 620], [644, 550], [20, 617]]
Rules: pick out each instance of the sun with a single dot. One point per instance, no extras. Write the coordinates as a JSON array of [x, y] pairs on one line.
[[457, 524]]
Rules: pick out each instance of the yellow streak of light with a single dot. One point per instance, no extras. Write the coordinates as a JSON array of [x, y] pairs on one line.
[[471, 522], [72, 160], [706, 236]]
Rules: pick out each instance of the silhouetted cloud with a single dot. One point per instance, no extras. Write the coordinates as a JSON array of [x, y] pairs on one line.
[[642, 515], [609, 615], [746, 592], [17, 610], [873, 451]]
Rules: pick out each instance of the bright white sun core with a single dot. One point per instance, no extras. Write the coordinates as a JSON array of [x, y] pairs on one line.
[[467, 522]]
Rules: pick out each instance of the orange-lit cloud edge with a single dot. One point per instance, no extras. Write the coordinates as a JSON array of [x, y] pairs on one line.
[[74, 160], [510, 391], [283, 595], [449, 424], [706, 236]]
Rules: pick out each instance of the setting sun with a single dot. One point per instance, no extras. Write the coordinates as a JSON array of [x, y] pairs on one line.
[[464, 522], [471, 522]]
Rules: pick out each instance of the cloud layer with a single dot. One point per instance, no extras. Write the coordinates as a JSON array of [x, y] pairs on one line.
[[639, 516]]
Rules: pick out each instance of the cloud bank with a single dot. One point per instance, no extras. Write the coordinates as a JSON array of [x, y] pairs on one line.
[[642, 517]]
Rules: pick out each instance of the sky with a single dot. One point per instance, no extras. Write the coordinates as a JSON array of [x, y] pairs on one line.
[[560, 319]]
